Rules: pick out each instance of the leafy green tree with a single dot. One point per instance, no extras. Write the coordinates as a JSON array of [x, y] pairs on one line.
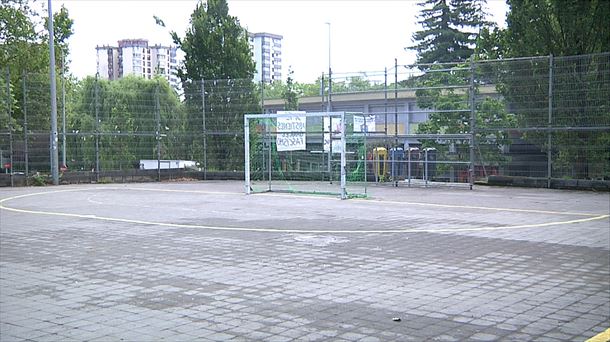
[[451, 114], [273, 90], [450, 28], [216, 49], [291, 93], [24, 58], [24, 50], [215, 46], [560, 28], [127, 113]]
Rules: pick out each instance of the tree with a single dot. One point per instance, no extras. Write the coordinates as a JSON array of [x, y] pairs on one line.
[[216, 50], [450, 28], [560, 28], [215, 46], [24, 57], [451, 115], [290, 94], [127, 113]]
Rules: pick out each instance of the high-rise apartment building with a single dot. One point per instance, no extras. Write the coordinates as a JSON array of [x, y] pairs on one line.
[[267, 50], [136, 57]]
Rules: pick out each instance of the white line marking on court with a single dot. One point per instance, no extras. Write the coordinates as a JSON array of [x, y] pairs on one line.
[[176, 225], [368, 200]]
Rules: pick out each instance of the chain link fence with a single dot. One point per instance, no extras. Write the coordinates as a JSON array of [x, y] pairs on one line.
[[542, 121]]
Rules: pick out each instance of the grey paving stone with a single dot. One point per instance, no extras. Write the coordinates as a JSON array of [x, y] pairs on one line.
[[111, 280]]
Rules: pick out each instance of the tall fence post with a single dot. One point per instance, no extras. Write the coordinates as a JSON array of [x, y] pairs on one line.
[[343, 160], [63, 110], [247, 154], [266, 139], [330, 133], [385, 100], [26, 152], [53, 84], [395, 102], [205, 132], [471, 173], [549, 155], [97, 130], [10, 122], [158, 131]]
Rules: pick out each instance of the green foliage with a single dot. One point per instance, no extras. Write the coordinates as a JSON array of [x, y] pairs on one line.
[[449, 30], [24, 53], [217, 50], [451, 113], [39, 180], [290, 94], [278, 89], [558, 27], [24, 36], [215, 45], [127, 105]]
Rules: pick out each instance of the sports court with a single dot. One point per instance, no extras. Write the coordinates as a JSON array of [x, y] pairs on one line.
[[203, 261]]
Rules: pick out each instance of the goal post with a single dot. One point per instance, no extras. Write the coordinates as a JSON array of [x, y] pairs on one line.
[[304, 152]]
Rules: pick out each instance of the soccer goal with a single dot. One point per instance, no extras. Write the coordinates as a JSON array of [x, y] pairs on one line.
[[309, 153]]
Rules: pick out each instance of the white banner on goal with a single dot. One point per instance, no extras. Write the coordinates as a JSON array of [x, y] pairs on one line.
[[364, 124], [332, 125], [291, 131]]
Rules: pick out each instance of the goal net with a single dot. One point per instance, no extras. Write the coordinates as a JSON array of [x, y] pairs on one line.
[[310, 153]]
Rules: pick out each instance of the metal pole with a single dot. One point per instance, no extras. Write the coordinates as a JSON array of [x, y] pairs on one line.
[[472, 123], [343, 161], [365, 161], [426, 166], [262, 97], [323, 128], [25, 131], [54, 152], [322, 92], [395, 101], [269, 147], [330, 74], [205, 132], [550, 122], [267, 140], [10, 121], [385, 93], [158, 133], [329, 109], [97, 130], [247, 155], [330, 148], [409, 165], [63, 109]]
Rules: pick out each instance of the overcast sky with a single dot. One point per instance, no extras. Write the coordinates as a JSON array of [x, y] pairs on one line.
[[366, 35]]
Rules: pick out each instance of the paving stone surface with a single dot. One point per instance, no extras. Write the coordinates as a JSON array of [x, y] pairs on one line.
[[201, 261]]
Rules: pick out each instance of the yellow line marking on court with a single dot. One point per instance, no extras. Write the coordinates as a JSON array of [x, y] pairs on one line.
[[533, 211], [176, 225], [601, 337]]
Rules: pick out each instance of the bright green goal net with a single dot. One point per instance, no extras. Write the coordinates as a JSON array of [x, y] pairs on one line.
[[310, 153]]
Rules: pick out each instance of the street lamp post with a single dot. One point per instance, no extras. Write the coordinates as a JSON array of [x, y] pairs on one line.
[[330, 75], [328, 109], [54, 151]]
